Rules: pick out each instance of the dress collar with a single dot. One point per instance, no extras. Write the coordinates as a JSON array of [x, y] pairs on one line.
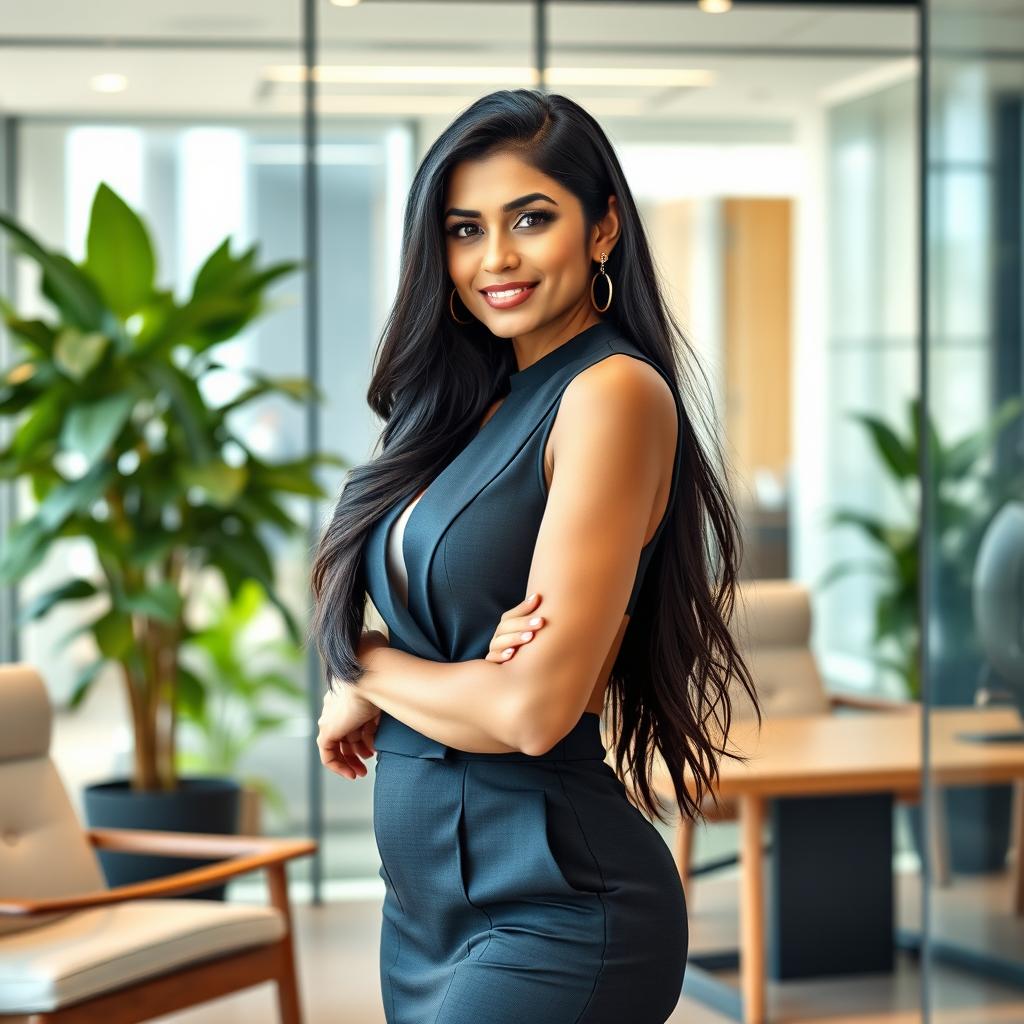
[[539, 371]]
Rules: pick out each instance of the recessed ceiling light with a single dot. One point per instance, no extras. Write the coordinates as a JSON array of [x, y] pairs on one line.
[[344, 3], [714, 6], [110, 82]]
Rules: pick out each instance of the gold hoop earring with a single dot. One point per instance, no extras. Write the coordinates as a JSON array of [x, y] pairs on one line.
[[601, 272], [451, 309]]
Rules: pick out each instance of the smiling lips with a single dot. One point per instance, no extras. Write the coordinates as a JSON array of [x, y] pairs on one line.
[[504, 296]]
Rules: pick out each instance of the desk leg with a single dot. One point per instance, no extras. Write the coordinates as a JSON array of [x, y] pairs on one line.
[[752, 958]]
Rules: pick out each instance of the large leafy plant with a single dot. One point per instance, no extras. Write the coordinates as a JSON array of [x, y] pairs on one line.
[[964, 496], [121, 448]]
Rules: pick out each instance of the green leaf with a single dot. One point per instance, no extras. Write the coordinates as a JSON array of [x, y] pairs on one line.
[[24, 549], [150, 546], [246, 553], [191, 695], [267, 723], [113, 632], [41, 426], [92, 427], [74, 496], [297, 476], [187, 403], [221, 269], [220, 482], [34, 334], [261, 508], [936, 453], [63, 283], [901, 460], [964, 454], [300, 389], [293, 477], [162, 601], [260, 280], [77, 353], [119, 254], [242, 556], [882, 533], [73, 590], [22, 385]]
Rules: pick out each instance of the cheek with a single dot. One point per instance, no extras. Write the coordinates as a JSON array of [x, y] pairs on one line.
[[558, 257], [461, 266]]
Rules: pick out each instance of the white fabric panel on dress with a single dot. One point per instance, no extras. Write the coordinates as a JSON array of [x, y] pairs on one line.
[[395, 558]]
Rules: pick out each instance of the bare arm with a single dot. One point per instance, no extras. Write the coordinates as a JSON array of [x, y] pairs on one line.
[[614, 438], [468, 705], [614, 450]]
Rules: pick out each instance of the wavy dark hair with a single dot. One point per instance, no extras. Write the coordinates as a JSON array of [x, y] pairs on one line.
[[432, 383]]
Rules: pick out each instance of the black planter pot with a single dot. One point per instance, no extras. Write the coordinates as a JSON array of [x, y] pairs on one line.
[[197, 805]]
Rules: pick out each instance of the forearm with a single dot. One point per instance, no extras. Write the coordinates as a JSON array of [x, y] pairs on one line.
[[469, 705]]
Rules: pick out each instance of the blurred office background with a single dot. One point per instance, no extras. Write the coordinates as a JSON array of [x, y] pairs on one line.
[[774, 149]]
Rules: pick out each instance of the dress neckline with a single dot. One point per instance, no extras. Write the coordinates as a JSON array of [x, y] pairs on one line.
[[539, 371]]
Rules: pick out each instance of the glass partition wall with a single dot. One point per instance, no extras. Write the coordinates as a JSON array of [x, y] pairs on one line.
[[973, 521], [774, 153]]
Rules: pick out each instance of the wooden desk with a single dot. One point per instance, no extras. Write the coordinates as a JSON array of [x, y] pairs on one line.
[[840, 754]]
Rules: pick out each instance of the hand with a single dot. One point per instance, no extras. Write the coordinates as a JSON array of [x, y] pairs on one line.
[[348, 724], [517, 627]]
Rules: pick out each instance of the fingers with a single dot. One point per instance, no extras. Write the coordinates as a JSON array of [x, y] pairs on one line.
[[339, 758], [517, 627], [528, 604], [335, 759], [344, 756]]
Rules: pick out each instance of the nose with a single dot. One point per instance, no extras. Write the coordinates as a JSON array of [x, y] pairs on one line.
[[500, 254]]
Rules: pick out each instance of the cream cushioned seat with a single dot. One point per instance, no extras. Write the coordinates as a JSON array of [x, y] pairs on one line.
[[103, 948], [53, 959]]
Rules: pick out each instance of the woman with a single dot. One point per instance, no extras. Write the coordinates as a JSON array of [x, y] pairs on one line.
[[536, 455]]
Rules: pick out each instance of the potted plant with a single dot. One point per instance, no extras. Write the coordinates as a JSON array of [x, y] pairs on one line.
[[963, 498], [122, 448]]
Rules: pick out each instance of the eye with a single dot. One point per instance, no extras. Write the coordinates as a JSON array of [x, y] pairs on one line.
[[454, 229], [542, 216]]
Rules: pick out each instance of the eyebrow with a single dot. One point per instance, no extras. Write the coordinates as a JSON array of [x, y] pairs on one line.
[[454, 211]]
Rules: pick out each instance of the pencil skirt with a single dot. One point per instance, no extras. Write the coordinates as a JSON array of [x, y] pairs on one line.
[[522, 888]]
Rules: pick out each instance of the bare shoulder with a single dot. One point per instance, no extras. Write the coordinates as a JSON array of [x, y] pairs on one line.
[[622, 393]]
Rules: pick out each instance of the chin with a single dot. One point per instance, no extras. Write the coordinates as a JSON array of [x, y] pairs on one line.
[[504, 332], [505, 329]]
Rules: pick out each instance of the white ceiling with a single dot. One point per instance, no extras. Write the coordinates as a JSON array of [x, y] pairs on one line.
[[217, 58]]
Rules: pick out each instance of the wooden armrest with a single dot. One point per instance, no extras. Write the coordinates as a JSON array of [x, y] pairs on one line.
[[243, 853], [853, 700], [197, 844]]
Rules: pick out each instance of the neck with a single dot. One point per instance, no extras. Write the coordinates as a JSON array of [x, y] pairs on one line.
[[537, 344]]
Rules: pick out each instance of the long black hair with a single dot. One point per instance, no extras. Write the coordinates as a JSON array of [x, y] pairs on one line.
[[433, 381]]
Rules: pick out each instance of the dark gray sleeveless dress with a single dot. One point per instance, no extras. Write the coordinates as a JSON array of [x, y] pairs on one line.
[[518, 888]]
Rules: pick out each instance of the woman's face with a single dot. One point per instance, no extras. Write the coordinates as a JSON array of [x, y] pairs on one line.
[[539, 242]]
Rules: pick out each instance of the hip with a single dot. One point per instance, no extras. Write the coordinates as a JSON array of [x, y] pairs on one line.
[[480, 832]]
